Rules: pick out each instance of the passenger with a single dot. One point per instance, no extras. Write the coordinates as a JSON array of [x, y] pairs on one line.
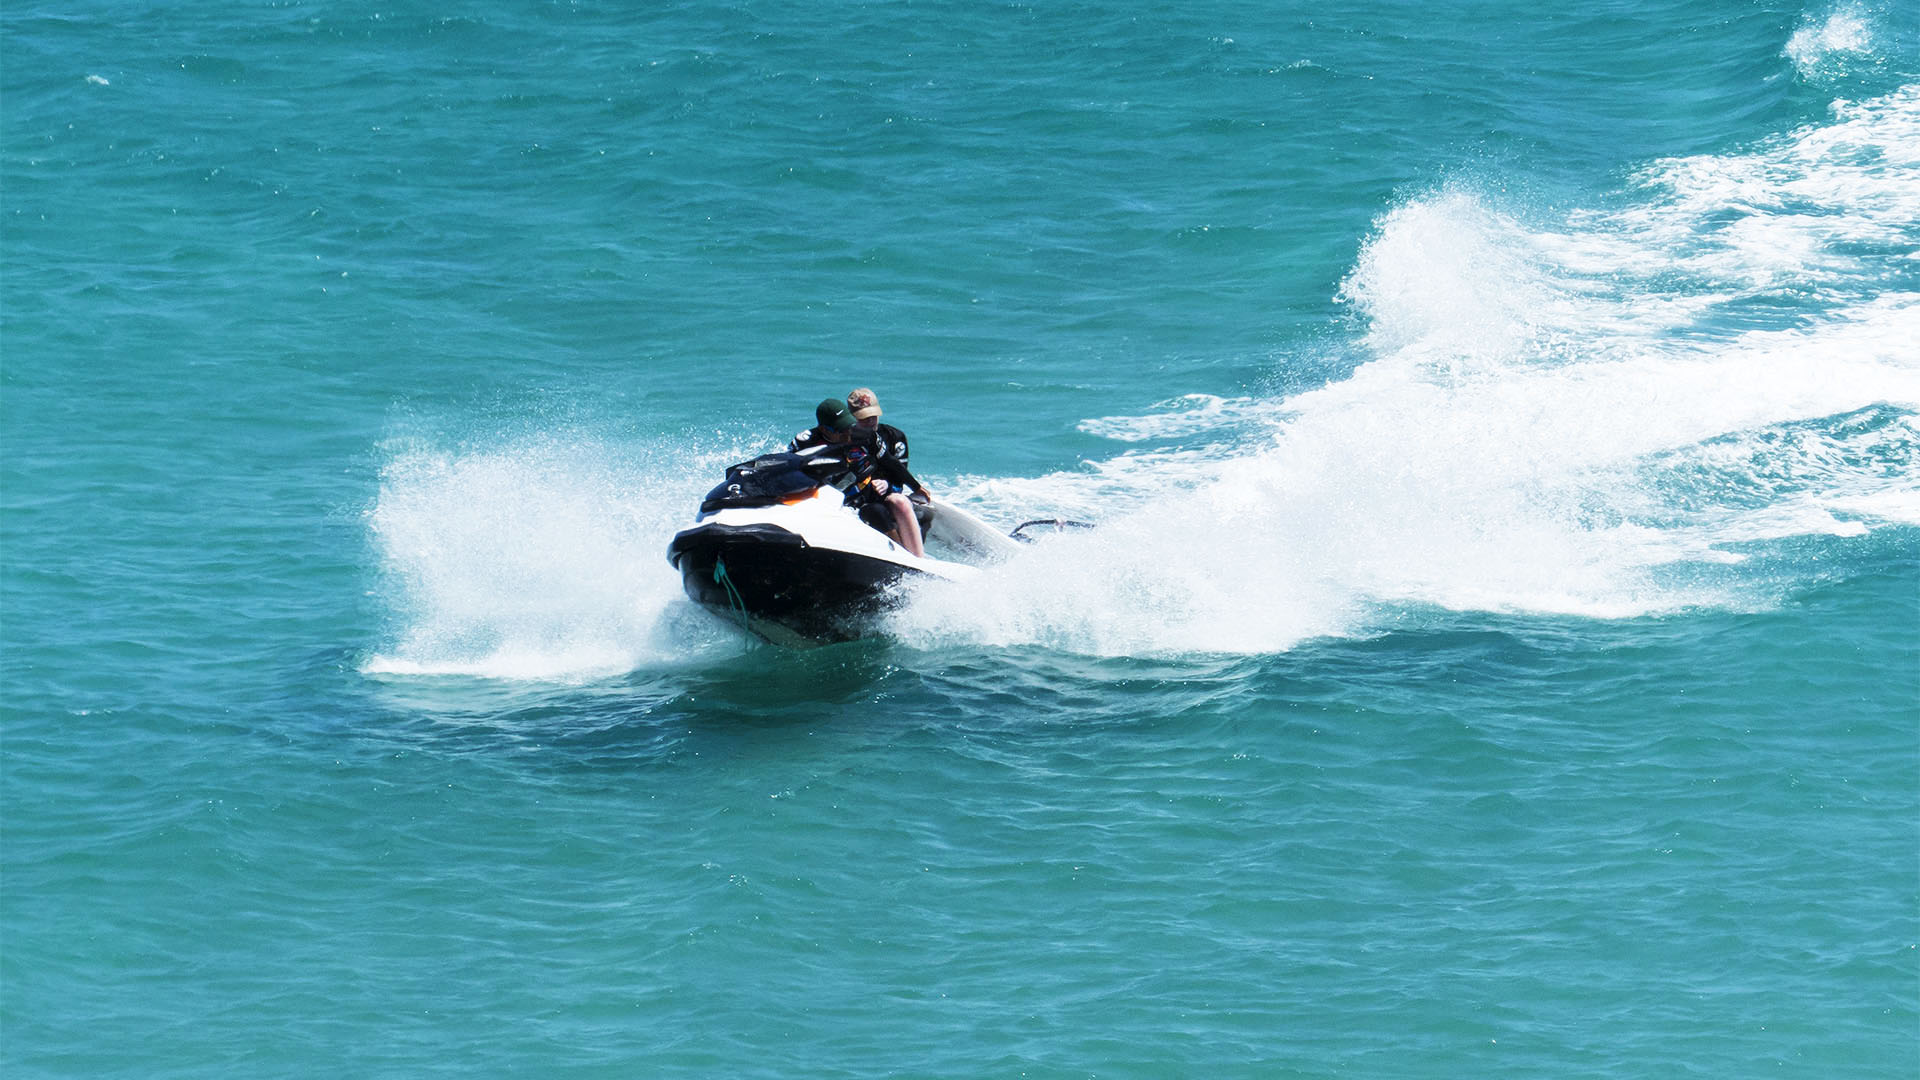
[[865, 408], [875, 478], [892, 442]]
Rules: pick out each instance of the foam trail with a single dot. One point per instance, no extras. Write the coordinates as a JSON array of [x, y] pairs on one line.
[[1184, 415], [1584, 417]]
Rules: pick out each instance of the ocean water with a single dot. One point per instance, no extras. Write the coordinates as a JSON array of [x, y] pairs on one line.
[[1499, 653]]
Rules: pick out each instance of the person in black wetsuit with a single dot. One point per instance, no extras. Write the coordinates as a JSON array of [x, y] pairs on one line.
[[831, 417], [892, 442], [879, 483]]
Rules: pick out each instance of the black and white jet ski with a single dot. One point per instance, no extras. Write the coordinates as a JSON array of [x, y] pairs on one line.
[[776, 549]]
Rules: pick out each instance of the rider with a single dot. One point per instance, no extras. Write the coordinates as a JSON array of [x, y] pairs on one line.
[[879, 481], [832, 416]]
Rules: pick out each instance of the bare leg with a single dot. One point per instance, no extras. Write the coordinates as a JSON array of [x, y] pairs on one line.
[[908, 528]]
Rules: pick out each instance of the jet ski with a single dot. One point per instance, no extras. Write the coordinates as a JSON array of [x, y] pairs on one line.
[[777, 549]]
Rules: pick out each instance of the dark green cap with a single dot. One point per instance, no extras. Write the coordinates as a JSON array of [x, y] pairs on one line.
[[833, 415]]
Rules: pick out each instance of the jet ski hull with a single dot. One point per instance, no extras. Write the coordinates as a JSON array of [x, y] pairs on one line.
[[780, 553], [781, 587]]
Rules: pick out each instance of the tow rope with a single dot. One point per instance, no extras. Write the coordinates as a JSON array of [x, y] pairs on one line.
[[1058, 523], [734, 602]]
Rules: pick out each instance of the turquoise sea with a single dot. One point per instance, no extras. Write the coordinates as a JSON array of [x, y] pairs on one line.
[[1498, 654]]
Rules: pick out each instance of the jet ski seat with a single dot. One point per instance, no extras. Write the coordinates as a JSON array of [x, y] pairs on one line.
[[879, 517]]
